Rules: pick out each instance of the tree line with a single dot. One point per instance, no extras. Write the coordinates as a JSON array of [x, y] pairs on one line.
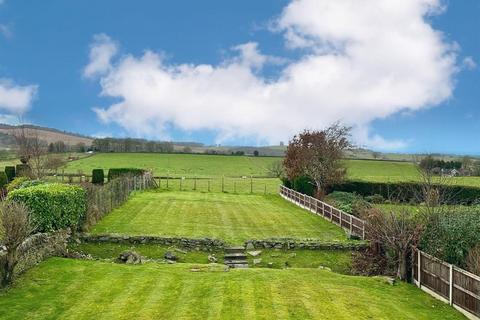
[[131, 145]]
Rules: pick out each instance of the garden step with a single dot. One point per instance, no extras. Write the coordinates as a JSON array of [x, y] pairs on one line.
[[235, 255], [239, 265], [235, 250]]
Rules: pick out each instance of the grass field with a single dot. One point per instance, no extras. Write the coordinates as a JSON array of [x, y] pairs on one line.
[[75, 289], [178, 164], [233, 218]]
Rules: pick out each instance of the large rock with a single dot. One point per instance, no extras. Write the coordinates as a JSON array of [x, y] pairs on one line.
[[170, 256], [130, 257]]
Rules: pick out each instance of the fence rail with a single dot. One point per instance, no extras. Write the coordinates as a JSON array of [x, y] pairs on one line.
[[347, 221], [453, 285]]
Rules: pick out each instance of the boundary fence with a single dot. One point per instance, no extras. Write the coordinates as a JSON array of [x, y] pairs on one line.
[[446, 282], [348, 222]]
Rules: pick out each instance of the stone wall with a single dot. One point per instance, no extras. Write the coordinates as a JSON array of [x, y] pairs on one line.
[[39, 247], [206, 244]]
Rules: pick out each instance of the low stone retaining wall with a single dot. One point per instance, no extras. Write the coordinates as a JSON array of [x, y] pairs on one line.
[[206, 244], [39, 247], [290, 244]]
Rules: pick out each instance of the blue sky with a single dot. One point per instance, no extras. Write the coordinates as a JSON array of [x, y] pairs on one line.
[[47, 45]]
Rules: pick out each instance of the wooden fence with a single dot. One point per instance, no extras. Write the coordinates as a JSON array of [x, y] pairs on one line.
[[453, 285], [347, 221]]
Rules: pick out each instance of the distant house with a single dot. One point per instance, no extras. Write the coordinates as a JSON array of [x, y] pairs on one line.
[[451, 173]]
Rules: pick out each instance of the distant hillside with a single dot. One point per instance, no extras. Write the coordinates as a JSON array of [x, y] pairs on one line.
[[46, 134]]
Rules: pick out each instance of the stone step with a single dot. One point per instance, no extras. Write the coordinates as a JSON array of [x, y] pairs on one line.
[[239, 266], [235, 250], [229, 262], [235, 255]]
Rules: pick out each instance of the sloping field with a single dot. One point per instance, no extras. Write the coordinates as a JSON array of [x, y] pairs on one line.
[[178, 164], [75, 289], [234, 218]]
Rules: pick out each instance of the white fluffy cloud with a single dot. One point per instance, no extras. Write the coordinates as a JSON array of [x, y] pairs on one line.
[[15, 99], [361, 61], [102, 50]]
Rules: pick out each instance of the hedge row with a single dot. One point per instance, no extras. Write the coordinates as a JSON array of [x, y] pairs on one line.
[[54, 206], [395, 191], [98, 176], [409, 191], [119, 172]]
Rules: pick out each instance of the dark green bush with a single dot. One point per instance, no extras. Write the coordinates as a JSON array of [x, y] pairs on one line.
[[287, 183], [376, 199], [98, 176], [304, 185], [407, 192], [30, 183], [3, 180], [23, 170], [348, 202], [450, 236], [54, 206], [10, 172], [119, 172]]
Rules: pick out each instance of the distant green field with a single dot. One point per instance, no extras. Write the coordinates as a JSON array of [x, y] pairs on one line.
[[233, 218], [76, 289], [178, 164]]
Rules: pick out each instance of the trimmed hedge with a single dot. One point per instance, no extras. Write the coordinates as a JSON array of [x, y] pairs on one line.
[[54, 206], [98, 176], [10, 172], [119, 172], [407, 191], [16, 183], [23, 170], [3, 180]]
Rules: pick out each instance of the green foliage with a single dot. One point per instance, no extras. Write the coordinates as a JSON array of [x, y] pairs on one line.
[[348, 202], [10, 172], [406, 192], [3, 180], [304, 185], [54, 206], [119, 172], [30, 183], [16, 183], [98, 176], [450, 236], [376, 199]]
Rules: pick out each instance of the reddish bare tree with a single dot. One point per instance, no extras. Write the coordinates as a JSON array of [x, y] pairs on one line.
[[318, 155]]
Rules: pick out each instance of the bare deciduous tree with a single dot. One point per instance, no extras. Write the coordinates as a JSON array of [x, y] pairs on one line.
[[275, 169], [318, 154], [397, 232], [32, 151], [17, 226]]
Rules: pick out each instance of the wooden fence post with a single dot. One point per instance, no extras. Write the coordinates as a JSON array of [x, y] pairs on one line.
[[451, 285], [195, 183], [419, 268], [265, 189], [208, 185], [167, 181], [251, 184], [181, 181], [351, 224]]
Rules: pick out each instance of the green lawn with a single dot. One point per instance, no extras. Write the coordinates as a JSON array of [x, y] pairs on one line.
[[337, 260], [233, 218], [178, 164], [75, 289]]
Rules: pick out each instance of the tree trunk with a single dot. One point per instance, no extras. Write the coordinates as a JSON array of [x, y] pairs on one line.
[[402, 265], [8, 264]]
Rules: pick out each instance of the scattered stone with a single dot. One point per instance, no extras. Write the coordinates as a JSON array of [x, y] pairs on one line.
[[270, 264], [195, 270], [257, 261], [130, 257], [170, 256], [254, 253], [391, 281], [250, 246], [171, 261], [212, 258]]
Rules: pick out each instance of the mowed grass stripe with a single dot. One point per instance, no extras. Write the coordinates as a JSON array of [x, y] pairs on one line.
[[233, 218], [112, 291]]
